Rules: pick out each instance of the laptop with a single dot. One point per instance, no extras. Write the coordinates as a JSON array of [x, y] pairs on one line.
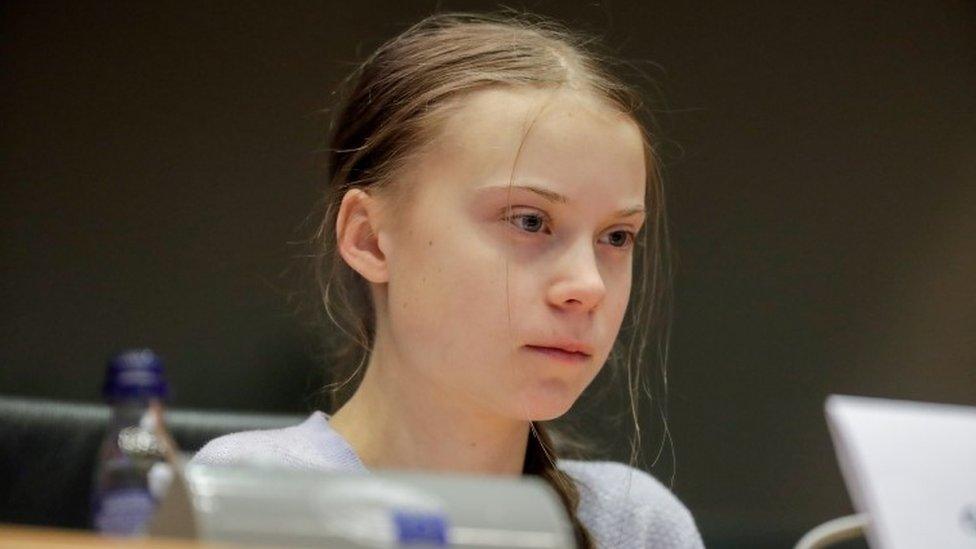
[[910, 467]]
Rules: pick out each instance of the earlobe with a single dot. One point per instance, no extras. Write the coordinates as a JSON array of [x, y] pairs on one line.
[[357, 238]]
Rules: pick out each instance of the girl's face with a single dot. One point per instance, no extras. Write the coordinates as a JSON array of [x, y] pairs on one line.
[[486, 281]]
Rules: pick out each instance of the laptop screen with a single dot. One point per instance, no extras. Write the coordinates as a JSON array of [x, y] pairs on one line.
[[911, 466]]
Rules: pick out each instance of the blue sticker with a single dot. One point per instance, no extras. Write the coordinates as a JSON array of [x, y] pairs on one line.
[[421, 528]]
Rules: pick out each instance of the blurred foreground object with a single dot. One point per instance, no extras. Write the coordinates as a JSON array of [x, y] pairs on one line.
[[50, 448], [289, 507], [132, 472], [910, 469]]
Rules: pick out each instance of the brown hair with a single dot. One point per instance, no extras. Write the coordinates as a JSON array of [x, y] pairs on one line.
[[391, 107]]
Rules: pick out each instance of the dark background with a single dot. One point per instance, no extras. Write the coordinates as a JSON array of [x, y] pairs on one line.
[[158, 158]]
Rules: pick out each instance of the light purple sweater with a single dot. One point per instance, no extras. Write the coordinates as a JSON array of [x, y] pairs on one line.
[[621, 506]]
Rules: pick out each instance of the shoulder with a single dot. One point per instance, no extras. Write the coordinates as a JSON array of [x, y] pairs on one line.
[[623, 506], [311, 444]]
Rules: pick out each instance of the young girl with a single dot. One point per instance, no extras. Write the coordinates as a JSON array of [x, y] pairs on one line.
[[492, 191]]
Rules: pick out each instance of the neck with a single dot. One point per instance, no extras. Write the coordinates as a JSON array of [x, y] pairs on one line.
[[397, 419]]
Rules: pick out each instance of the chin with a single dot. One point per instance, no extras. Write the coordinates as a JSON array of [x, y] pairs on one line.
[[546, 402], [547, 416]]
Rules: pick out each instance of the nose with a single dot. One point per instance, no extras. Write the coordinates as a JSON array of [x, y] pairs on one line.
[[579, 286]]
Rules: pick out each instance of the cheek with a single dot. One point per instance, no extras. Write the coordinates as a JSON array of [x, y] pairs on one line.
[[619, 293], [614, 308], [446, 296]]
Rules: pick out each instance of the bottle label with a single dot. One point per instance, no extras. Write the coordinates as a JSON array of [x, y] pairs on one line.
[[124, 512]]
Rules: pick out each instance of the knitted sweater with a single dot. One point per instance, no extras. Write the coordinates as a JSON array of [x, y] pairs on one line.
[[621, 506]]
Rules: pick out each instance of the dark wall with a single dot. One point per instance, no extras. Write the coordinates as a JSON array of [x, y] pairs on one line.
[[158, 159]]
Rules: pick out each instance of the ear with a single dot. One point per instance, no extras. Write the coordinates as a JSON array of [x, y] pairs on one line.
[[357, 236]]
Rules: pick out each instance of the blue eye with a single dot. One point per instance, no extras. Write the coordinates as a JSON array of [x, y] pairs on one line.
[[529, 222], [621, 239]]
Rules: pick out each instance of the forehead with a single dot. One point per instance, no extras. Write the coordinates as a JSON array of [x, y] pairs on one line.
[[560, 138]]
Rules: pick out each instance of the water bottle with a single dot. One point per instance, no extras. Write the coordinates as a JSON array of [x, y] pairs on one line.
[[133, 453]]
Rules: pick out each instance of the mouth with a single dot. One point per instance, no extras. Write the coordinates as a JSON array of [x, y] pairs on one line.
[[561, 355]]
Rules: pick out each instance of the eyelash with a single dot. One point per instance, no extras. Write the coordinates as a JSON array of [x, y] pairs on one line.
[[631, 237]]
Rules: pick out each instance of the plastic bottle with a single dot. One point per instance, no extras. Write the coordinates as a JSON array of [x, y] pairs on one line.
[[132, 456]]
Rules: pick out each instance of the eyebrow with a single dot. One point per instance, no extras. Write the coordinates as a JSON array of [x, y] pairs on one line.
[[552, 196]]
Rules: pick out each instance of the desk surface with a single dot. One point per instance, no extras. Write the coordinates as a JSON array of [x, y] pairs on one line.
[[12, 536]]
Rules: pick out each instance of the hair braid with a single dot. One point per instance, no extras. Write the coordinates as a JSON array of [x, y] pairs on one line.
[[540, 457]]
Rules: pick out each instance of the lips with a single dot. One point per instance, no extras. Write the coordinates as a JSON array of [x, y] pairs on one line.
[[564, 352]]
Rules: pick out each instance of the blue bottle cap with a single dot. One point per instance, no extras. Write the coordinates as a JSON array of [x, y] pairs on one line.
[[134, 374]]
